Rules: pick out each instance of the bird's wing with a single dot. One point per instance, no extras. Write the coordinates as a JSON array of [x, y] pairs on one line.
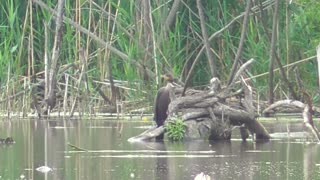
[[156, 104]]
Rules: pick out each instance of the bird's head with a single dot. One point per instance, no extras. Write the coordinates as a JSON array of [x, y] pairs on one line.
[[167, 77]]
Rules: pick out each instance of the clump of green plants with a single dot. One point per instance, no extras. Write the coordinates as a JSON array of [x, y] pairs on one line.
[[176, 129]]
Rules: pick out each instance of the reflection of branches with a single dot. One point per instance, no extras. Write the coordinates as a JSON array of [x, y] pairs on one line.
[[308, 161]]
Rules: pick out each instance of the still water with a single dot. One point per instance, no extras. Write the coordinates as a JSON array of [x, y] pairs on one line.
[[110, 156]]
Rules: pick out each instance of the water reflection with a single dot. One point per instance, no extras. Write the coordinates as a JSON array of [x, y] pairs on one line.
[[110, 156], [161, 162]]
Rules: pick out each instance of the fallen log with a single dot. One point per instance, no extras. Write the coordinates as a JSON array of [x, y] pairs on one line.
[[148, 134]]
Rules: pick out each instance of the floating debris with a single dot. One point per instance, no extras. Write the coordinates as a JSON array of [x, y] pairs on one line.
[[8, 140], [202, 176], [132, 175], [44, 169]]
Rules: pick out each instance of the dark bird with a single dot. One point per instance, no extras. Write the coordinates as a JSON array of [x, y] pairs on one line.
[[162, 102]]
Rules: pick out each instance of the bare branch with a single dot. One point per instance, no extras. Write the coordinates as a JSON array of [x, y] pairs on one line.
[[273, 50], [206, 40], [241, 43], [172, 14], [51, 99]]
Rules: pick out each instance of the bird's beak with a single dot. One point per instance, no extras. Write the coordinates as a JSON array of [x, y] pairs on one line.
[[164, 77]]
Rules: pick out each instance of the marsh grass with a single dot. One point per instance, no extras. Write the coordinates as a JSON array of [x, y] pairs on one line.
[[116, 22]]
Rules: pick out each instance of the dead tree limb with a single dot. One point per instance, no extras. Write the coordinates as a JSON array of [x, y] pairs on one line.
[[172, 15], [51, 99], [148, 134], [205, 39], [241, 43]]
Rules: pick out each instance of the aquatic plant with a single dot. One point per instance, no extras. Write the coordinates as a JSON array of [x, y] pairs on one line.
[[175, 129]]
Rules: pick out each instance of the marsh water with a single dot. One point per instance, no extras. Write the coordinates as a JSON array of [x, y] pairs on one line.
[[109, 155]]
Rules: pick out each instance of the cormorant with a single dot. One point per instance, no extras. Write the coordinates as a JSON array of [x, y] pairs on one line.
[[162, 102]]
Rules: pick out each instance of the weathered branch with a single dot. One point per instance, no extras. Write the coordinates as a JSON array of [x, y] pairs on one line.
[[191, 101], [284, 102], [172, 15], [205, 39], [241, 43], [239, 72], [148, 134], [51, 99], [248, 99]]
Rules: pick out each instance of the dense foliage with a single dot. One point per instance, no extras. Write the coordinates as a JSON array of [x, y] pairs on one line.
[[154, 43]]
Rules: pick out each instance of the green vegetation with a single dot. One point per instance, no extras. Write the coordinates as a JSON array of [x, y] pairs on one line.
[[151, 43], [175, 129]]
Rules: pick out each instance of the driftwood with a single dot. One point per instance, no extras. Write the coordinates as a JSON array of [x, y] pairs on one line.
[[148, 134], [211, 113]]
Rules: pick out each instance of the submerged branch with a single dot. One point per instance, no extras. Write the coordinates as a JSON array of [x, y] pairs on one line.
[[148, 134], [77, 148]]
